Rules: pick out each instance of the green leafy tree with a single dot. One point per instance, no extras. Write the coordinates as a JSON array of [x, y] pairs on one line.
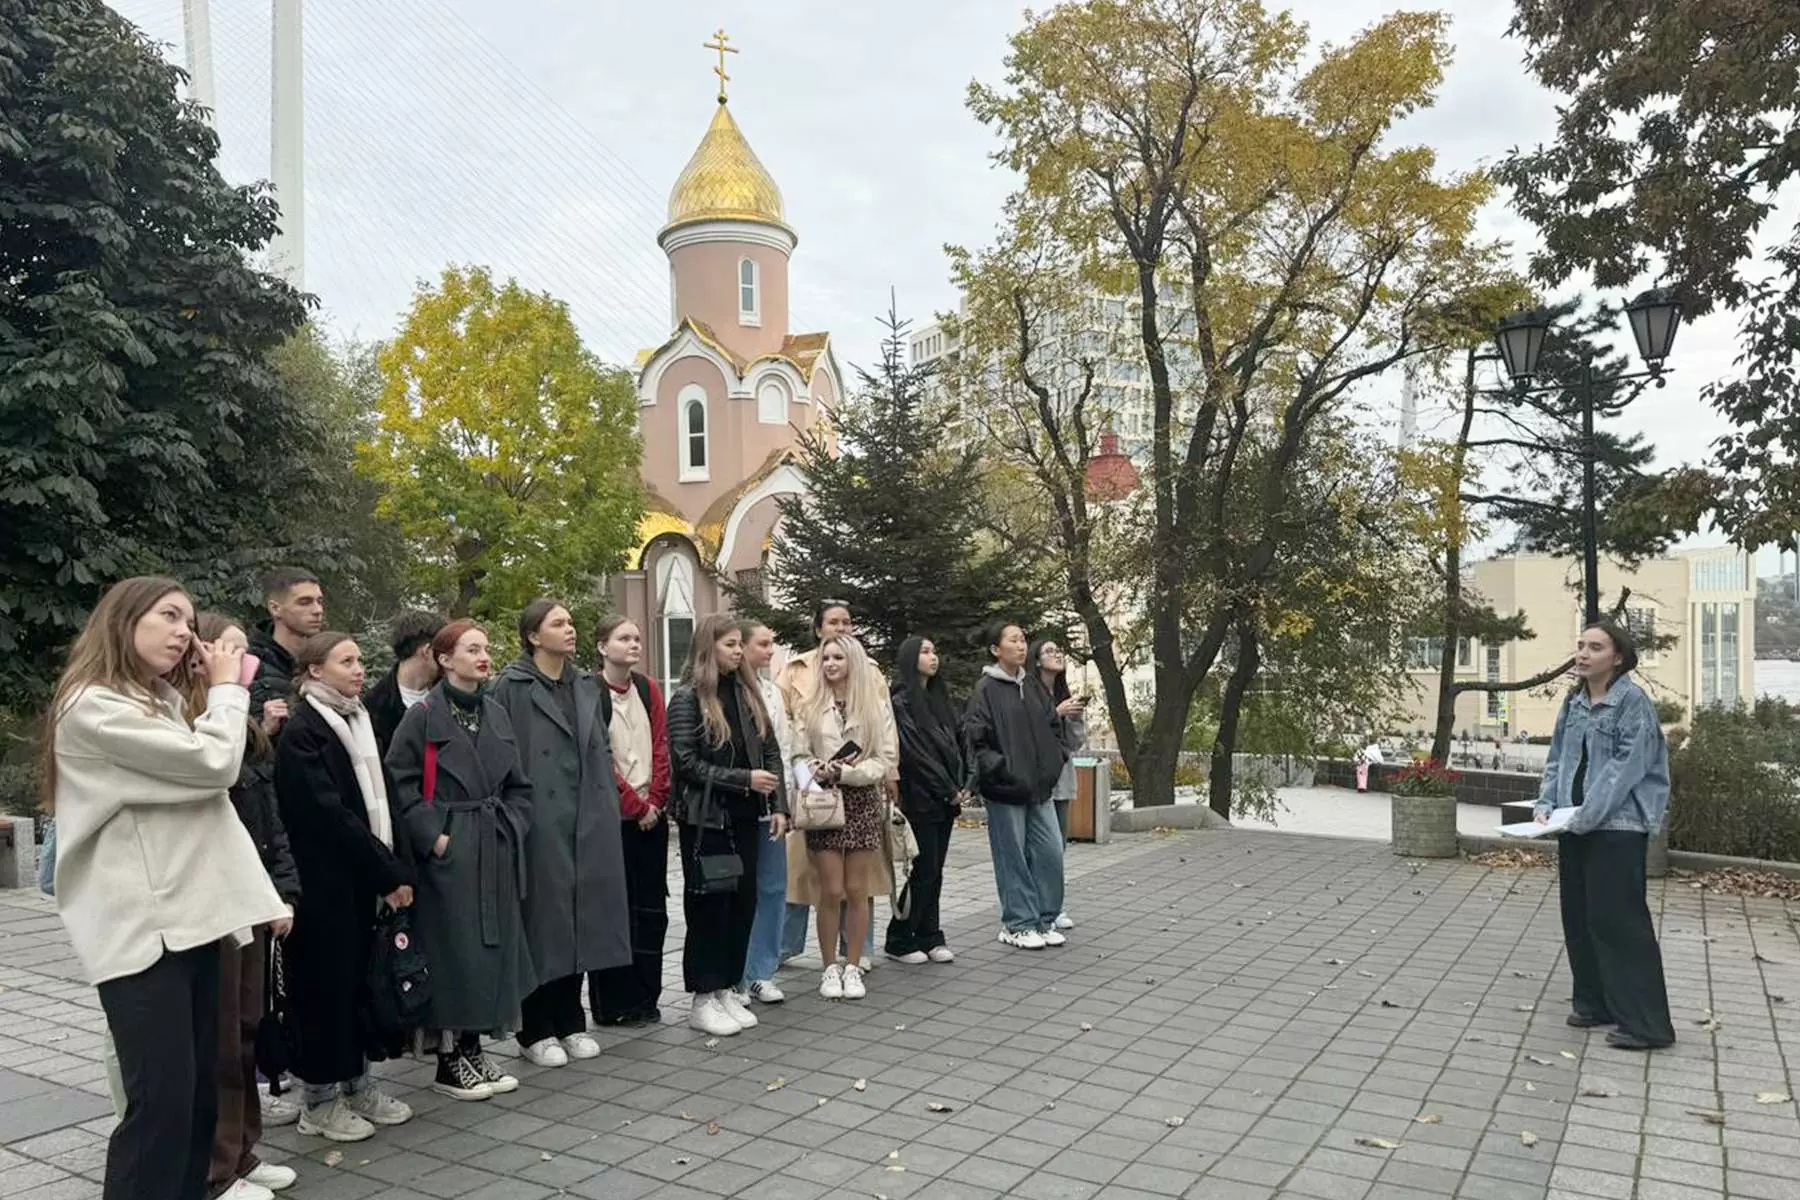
[[507, 453], [1677, 134], [895, 523], [140, 426]]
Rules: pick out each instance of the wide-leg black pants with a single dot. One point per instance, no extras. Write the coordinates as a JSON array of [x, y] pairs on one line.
[[1611, 941], [718, 924], [632, 991]]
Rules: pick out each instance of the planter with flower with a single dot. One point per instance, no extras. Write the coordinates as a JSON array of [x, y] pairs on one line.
[[1424, 810]]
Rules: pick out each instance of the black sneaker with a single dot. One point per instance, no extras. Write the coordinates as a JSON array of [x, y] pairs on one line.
[[459, 1079], [498, 1081]]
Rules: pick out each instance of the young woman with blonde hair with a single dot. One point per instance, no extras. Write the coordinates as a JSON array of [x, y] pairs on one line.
[[154, 869], [727, 768], [844, 738]]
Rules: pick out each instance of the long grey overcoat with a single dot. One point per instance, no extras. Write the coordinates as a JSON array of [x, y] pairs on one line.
[[468, 910], [577, 916]]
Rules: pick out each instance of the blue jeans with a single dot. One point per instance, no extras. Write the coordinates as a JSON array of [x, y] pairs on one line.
[[1027, 846], [764, 954], [314, 1094], [799, 918]]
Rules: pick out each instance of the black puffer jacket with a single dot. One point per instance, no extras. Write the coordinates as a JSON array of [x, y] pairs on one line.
[[1011, 731]]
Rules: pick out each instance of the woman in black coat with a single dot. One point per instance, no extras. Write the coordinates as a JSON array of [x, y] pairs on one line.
[[934, 783], [333, 795]]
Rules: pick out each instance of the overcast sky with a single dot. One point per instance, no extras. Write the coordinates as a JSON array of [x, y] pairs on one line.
[[540, 138]]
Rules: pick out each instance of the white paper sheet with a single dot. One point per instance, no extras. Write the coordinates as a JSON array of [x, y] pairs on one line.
[[1559, 817]]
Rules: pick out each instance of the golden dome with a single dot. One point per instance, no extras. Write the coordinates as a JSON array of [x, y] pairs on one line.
[[724, 181]]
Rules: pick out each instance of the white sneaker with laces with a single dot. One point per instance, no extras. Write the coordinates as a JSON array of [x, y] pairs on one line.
[[764, 991], [865, 965], [1053, 938], [708, 1016], [581, 1045], [1064, 921], [278, 1110], [334, 1122], [243, 1189], [941, 954], [274, 1177], [1022, 939], [853, 984], [546, 1052], [831, 984], [911, 958], [378, 1108], [737, 1008]]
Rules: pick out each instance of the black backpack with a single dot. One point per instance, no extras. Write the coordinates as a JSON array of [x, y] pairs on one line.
[[399, 990], [641, 682]]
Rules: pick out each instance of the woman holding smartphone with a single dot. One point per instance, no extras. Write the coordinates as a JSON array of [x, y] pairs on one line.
[[844, 738], [1052, 665], [1608, 760], [154, 869]]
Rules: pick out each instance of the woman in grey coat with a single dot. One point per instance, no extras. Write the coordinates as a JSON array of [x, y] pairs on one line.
[[466, 804], [577, 916]]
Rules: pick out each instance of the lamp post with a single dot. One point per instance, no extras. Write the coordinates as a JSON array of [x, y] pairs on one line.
[[1654, 316]]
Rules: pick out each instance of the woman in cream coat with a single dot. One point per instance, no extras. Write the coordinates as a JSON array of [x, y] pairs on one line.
[[154, 868], [846, 702]]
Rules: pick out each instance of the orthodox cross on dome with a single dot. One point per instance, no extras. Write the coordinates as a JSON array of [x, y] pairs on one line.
[[722, 43]]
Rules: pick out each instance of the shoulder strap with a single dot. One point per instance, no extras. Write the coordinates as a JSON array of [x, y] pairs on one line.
[[642, 683]]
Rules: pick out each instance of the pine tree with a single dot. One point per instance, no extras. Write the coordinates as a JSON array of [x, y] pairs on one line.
[[893, 524]]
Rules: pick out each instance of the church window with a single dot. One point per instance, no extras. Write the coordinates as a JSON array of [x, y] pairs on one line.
[[693, 440], [771, 403], [675, 613], [749, 292]]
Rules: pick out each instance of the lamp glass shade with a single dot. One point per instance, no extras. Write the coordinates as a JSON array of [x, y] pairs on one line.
[[1655, 318], [1520, 338]]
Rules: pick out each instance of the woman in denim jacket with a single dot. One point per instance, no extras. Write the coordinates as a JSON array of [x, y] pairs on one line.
[[1608, 759]]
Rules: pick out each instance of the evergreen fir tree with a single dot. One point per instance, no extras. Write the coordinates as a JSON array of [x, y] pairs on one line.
[[893, 525]]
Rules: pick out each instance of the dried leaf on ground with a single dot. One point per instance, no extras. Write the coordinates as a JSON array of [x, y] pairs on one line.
[[938, 1106], [1174, 1122], [333, 1157], [861, 1085], [709, 1043], [1599, 1091], [1086, 1028], [1735, 881], [1567, 1053], [1528, 1138], [712, 1130], [780, 1082], [1428, 1119], [1542, 1062], [1513, 859], [1710, 1115], [1772, 1097], [683, 1161], [1375, 1143]]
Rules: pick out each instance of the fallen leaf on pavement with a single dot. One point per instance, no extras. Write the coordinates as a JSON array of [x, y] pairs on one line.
[[1569, 1054], [1086, 1028], [777, 1085], [1772, 1097], [1174, 1122], [1599, 1091], [1528, 1138], [1375, 1143], [1542, 1062], [1428, 1119], [938, 1106], [1710, 1116], [712, 1130], [861, 1085], [333, 1157]]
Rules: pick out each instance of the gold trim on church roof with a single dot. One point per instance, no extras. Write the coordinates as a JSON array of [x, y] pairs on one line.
[[709, 533], [725, 181], [802, 351]]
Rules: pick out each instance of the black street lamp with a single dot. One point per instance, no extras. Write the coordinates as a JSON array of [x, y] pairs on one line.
[[1655, 317]]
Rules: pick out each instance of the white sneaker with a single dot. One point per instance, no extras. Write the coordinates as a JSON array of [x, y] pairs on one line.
[[334, 1122], [378, 1108], [831, 984], [912, 958], [272, 1176], [581, 1045], [865, 965], [1064, 921], [853, 984], [764, 991], [1053, 938], [708, 1016], [1022, 939], [243, 1189], [941, 954], [278, 1110], [546, 1052], [737, 1009]]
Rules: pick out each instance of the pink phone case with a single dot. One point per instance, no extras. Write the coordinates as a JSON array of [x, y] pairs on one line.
[[248, 671]]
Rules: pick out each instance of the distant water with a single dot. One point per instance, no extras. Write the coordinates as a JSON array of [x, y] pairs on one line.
[[1775, 677]]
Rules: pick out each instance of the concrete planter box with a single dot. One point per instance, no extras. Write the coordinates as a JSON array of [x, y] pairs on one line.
[[1424, 826]]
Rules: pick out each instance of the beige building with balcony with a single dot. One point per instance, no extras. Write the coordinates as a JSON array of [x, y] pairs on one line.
[[1704, 598]]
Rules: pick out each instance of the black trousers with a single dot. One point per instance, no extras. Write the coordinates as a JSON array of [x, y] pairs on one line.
[[1612, 947], [553, 1011], [618, 993], [165, 1027], [718, 924], [923, 928]]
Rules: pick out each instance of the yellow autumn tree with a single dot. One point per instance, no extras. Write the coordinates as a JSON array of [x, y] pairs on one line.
[[1278, 249], [507, 452]]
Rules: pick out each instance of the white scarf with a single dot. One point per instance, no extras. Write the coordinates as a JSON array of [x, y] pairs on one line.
[[351, 724]]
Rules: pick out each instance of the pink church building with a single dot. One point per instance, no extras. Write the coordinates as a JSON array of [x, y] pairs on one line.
[[721, 402]]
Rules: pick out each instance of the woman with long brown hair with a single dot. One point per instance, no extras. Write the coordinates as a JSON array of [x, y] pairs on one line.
[[727, 777], [237, 1173], [154, 869]]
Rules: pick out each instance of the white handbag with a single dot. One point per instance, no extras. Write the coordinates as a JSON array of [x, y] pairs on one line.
[[818, 808]]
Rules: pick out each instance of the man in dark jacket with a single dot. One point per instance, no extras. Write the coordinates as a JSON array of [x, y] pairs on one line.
[[1018, 757], [415, 672], [296, 606]]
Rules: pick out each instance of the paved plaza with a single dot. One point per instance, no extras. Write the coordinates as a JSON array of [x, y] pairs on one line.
[[1239, 1015]]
